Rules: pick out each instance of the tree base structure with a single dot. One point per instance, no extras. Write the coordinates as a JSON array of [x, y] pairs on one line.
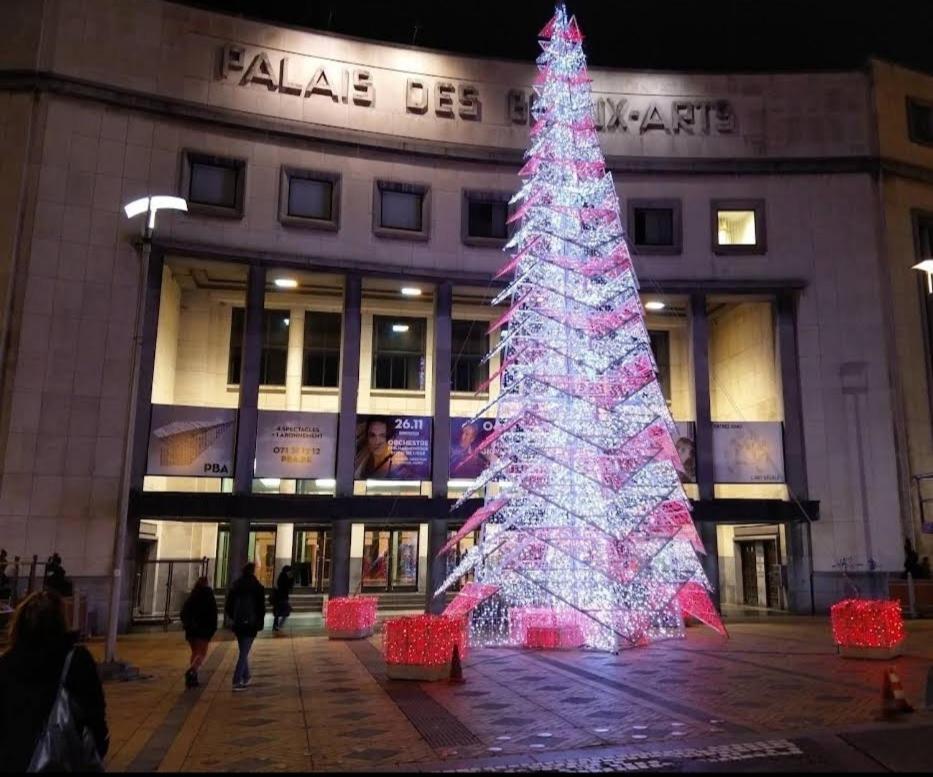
[[876, 653]]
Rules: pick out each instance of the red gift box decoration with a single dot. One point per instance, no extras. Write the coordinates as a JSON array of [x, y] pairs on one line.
[[423, 640], [869, 623], [544, 628], [350, 613]]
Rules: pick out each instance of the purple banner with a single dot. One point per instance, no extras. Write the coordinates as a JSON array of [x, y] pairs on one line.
[[465, 436], [392, 447]]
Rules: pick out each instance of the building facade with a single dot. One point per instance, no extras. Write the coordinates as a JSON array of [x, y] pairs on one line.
[[309, 336]]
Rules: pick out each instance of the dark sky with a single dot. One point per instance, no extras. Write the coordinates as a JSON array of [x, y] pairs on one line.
[[664, 34]]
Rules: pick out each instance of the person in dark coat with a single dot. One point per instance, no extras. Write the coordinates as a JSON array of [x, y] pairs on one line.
[[30, 671], [245, 607], [55, 579], [281, 607], [199, 617]]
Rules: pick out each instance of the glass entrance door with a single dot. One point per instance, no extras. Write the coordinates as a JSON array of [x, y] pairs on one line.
[[390, 559], [312, 558], [261, 551], [456, 556]]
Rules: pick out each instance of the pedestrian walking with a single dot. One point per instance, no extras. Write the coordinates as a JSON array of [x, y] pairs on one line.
[[52, 708], [281, 606], [199, 617], [246, 609]]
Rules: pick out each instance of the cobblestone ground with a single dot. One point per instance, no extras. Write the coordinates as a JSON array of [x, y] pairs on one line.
[[771, 694]]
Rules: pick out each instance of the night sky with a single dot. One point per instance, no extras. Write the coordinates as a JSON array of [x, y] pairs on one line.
[[725, 35]]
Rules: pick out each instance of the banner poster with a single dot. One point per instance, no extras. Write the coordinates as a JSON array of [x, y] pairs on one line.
[[296, 445], [685, 443], [192, 441], [390, 447], [465, 436], [748, 452]]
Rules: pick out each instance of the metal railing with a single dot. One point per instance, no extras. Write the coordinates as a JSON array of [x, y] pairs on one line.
[[162, 585]]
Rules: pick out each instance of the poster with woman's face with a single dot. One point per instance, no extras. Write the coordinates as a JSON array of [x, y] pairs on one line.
[[393, 448], [465, 437]]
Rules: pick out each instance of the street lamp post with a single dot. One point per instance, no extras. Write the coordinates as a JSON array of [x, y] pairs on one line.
[[150, 206]]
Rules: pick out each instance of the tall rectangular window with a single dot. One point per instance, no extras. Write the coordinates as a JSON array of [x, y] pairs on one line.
[[398, 353], [923, 247], [321, 358], [214, 185], [274, 358], [469, 344], [920, 121], [661, 347]]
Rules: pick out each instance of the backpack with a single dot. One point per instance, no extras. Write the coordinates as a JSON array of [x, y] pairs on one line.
[[244, 612], [65, 745]]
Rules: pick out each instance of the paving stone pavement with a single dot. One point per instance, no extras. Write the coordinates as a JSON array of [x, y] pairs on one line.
[[765, 696]]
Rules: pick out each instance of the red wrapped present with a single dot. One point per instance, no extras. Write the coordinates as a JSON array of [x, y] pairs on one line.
[[544, 628], [420, 647], [350, 617], [867, 628]]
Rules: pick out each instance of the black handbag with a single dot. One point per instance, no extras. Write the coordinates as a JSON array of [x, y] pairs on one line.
[[65, 744]]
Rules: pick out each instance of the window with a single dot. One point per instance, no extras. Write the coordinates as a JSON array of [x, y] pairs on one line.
[[654, 226], [661, 347], [469, 344], [398, 353], [213, 185], [321, 358], [274, 347], [308, 198], [400, 210], [483, 218], [920, 121], [738, 226]]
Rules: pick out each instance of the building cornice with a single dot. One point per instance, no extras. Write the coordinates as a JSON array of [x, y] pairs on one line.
[[361, 142]]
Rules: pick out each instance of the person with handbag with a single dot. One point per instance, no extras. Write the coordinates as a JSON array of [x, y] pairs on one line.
[[245, 607], [52, 708], [199, 617]]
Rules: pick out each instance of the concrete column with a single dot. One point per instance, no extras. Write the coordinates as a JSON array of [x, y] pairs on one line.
[[437, 565], [340, 557], [296, 337], [699, 338], [284, 541], [799, 580], [248, 415], [440, 468], [349, 388]]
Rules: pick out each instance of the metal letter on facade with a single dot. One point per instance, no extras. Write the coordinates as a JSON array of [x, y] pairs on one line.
[[724, 117], [231, 58], [469, 102], [286, 86], [413, 103], [615, 118], [444, 98], [653, 119], [363, 91], [260, 72], [320, 84], [682, 117]]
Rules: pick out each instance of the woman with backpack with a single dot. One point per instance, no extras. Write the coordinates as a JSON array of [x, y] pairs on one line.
[[199, 617], [41, 670]]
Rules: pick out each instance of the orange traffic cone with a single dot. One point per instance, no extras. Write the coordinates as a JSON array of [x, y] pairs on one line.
[[456, 670], [893, 701]]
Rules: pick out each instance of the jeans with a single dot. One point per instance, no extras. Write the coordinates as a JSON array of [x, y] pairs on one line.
[[241, 672]]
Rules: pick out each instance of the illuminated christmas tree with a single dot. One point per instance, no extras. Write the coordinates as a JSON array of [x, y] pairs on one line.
[[585, 524]]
